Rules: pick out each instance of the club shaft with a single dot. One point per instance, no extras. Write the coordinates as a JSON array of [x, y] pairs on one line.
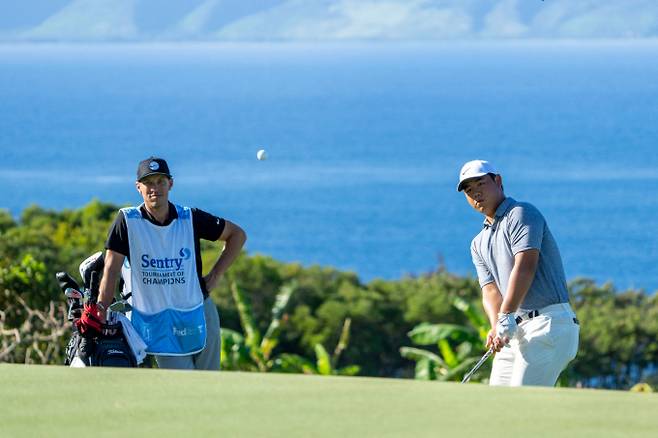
[[477, 366]]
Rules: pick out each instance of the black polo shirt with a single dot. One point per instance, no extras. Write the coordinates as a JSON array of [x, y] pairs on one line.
[[205, 225]]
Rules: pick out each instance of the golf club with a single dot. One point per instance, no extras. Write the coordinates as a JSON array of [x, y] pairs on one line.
[[477, 366], [73, 294], [66, 281], [93, 263]]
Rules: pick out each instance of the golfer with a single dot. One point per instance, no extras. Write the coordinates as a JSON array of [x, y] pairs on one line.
[[155, 247], [524, 291]]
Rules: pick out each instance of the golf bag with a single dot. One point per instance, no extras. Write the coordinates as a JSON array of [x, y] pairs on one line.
[[99, 351], [109, 348]]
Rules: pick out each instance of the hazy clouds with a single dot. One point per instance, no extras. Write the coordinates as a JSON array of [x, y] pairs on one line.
[[333, 20]]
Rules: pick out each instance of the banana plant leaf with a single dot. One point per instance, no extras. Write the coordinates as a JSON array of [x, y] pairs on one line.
[[418, 354], [350, 370], [476, 316], [231, 336], [293, 363], [430, 334], [448, 355], [271, 338], [323, 360], [234, 353], [467, 349], [343, 341], [425, 370], [252, 335], [458, 372]]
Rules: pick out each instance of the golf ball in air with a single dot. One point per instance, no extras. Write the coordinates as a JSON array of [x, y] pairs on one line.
[[261, 154]]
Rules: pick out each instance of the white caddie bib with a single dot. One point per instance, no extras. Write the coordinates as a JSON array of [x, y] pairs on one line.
[[167, 302]]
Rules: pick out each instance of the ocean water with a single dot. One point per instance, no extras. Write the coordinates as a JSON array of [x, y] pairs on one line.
[[364, 143]]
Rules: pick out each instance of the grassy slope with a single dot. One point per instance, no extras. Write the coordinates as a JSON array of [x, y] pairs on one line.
[[59, 401]]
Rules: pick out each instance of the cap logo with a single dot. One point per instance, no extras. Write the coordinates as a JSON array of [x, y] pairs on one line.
[[153, 165]]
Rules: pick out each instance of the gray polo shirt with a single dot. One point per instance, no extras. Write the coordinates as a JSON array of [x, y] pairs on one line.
[[519, 226]]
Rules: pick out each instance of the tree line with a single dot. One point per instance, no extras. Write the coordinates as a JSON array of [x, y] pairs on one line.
[[285, 317]]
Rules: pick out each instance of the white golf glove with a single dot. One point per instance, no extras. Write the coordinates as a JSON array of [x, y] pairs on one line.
[[506, 326]]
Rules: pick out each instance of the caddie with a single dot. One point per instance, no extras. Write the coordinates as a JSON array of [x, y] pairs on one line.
[[534, 330], [157, 246]]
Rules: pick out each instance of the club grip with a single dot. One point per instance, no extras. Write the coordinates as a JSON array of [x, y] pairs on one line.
[[94, 284], [66, 281]]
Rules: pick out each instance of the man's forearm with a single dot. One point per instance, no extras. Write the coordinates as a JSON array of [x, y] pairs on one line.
[[520, 280], [107, 287], [518, 288], [111, 272], [234, 244], [491, 301]]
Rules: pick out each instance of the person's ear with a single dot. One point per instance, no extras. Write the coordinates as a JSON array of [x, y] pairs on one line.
[[171, 183], [499, 182]]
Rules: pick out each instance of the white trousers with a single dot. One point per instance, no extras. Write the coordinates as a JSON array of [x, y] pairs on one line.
[[540, 351]]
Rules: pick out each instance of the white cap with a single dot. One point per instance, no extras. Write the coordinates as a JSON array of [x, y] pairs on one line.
[[474, 169]]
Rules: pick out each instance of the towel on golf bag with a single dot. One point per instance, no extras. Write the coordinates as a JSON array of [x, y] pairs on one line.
[[135, 342]]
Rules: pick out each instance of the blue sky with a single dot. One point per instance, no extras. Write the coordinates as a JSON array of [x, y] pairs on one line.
[[319, 20]]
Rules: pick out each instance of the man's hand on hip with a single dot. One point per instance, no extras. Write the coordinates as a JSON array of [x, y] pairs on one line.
[[506, 327], [210, 281]]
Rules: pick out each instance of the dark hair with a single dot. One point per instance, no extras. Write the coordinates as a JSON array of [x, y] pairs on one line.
[[493, 177]]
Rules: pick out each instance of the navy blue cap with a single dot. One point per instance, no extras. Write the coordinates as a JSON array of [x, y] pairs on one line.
[[152, 166]]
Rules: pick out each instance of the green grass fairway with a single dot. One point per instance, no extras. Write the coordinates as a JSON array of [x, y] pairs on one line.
[[52, 401]]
